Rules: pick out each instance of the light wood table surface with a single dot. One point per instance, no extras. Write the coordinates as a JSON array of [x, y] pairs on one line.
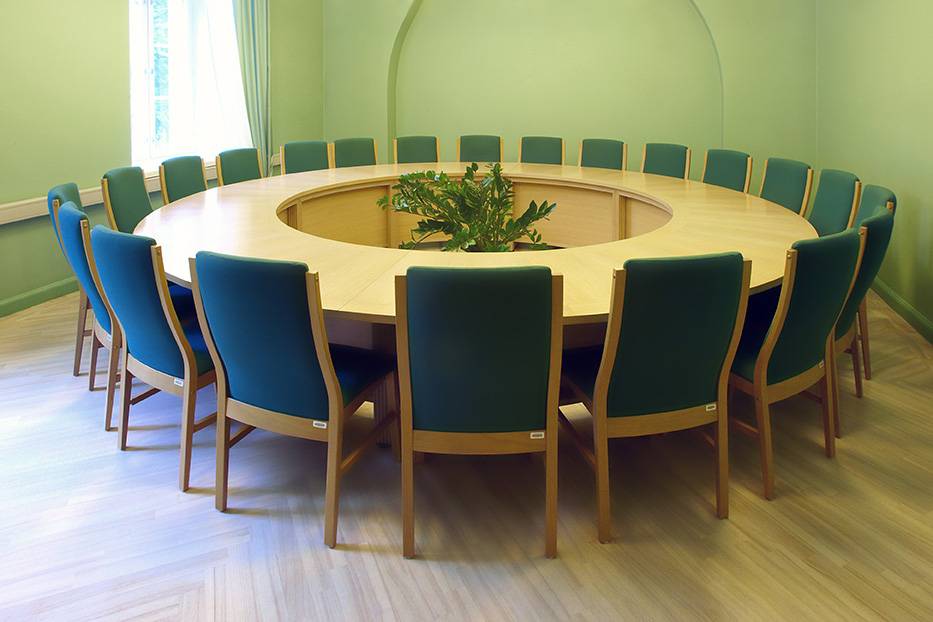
[[329, 220]]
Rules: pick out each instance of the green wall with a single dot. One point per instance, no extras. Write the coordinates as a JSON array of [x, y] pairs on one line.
[[876, 96]]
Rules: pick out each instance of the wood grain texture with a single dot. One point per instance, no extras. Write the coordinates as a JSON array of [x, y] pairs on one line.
[[87, 532]]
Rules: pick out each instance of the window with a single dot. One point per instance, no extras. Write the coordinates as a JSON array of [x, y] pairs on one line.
[[185, 81]]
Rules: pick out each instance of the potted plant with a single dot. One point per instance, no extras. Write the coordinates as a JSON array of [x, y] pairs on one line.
[[476, 213]]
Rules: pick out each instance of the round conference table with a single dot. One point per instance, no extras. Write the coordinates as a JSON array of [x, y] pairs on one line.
[[329, 220]]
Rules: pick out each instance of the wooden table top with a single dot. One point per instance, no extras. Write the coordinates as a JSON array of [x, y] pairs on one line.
[[357, 282]]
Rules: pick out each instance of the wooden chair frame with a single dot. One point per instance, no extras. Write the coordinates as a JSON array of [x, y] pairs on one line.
[[748, 170], [766, 394], [331, 431], [163, 186], [563, 150], [437, 146], [806, 194], [624, 156], [81, 330], [108, 205], [501, 148], [644, 157], [220, 171], [606, 427], [468, 443]]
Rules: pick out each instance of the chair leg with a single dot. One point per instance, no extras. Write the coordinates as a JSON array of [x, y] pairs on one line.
[[332, 489], [112, 369], [96, 345], [223, 462], [856, 367], [830, 414], [763, 415], [79, 331], [550, 504], [834, 371], [408, 495], [722, 465], [863, 337], [189, 401], [126, 387], [601, 451]]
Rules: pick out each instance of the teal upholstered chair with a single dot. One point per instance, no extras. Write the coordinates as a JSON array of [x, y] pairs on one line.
[[633, 386], [541, 150], [275, 369], [355, 152], [604, 153], [236, 165], [126, 199], [877, 232], [666, 159], [414, 149], [787, 343], [835, 203], [479, 148], [787, 183], [76, 243], [58, 196], [303, 155], [874, 200], [163, 344], [479, 370], [181, 177], [727, 168]]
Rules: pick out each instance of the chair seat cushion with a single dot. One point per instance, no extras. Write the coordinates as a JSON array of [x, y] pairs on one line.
[[758, 318], [357, 369], [580, 366]]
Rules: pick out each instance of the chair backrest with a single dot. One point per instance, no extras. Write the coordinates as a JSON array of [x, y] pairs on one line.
[[303, 155], [817, 280], [75, 232], [181, 177], [264, 346], [236, 165], [541, 150], [354, 152], [666, 159], [414, 149], [728, 168], [787, 183], [479, 148], [131, 282], [878, 229], [58, 196], [126, 199], [874, 199], [674, 327], [604, 153], [836, 200], [483, 335]]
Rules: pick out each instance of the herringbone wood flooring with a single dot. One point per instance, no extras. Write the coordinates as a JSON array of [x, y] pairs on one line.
[[88, 532]]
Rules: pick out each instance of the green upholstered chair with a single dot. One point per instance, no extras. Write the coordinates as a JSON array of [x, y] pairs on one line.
[[303, 155], [163, 345], [874, 200], [877, 231], [58, 196], [414, 149], [835, 203], [787, 183], [236, 165], [479, 370], [727, 168], [479, 148], [541, 150], [633, 386], [604, 153], [76, 243], [126, 199], [275, 369], [355, 152], [666, 159], [181, 177], [787, 343]]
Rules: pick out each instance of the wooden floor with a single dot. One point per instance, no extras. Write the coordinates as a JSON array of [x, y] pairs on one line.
[[89, 532]]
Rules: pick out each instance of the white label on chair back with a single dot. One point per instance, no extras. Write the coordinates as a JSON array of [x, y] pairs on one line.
[[319, 424], [178, 382], [537, 436], [711, 407]]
